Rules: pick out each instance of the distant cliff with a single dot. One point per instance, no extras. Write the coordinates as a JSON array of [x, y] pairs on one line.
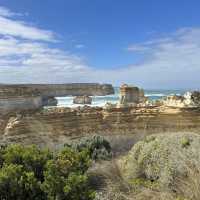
[[57, 90], [34, 96]]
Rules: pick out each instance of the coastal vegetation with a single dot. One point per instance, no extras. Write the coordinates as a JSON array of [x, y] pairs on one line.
[[35, 174], [98, 147], [28, 172], [159, 167]]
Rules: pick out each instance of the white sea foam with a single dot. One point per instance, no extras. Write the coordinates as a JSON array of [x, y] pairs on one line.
[[114, 98], [155, 95]]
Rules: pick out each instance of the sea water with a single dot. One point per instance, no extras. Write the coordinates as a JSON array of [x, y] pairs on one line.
[[102, 100]]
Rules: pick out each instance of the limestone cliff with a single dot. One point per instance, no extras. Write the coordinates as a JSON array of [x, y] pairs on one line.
[[17, 98], [55, 126], [57, 90], [122, 125]]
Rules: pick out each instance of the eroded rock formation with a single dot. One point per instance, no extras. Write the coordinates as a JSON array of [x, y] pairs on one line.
[[54, 127], [49, 101], [189, 99], [14, 98], [122, 125], [82, 100], [130, 95]]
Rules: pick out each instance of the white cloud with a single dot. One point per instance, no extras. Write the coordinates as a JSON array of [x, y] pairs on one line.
[[6, 13], [12, 27], [22, 61], [172, 61], [26, 56]]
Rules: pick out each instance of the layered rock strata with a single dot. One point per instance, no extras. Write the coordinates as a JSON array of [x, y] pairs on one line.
[[18, 99], [14, 98], [54, 127], [122, 125], [131, 95]]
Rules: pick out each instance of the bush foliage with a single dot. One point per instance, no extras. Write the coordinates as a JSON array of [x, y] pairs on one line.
[[35, 174], [99, 148]]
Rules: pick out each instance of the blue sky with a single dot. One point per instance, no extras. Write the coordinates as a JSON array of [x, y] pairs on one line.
[[153, 44]]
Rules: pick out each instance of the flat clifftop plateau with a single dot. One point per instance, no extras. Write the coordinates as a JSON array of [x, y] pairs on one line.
[[122, 126], [53, 90]]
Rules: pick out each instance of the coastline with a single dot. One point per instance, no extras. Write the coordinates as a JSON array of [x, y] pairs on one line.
[[100, 101]]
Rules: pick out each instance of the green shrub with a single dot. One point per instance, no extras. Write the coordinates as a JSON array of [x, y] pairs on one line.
[[185, 142], [35, 174], [31, 158], [17, 184], [65, 176], [98, 147]]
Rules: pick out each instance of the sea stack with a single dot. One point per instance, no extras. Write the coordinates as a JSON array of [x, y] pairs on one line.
[[131, 95], [82, 100]]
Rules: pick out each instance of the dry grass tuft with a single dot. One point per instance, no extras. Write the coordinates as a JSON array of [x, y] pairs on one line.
[[189, 186], [154, 195], [169, 169], [110, 185], [107, 179]]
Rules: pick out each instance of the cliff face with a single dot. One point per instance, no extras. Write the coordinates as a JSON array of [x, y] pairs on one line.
[[57, 90], [14, 98], [56, 126], [20, 103], [123, 125]]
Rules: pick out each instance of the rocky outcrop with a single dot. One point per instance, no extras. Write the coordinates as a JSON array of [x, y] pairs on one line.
[[123, 126], [82, 100], [188, 100], [49, 101], [192, 99], [174, 101], [130, 95]]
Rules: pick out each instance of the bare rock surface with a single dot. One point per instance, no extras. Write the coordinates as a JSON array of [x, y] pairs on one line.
[[82, 100], [189, 99], [55, 126], [14, 98], [49, 101], [57, 90], [130, 96]]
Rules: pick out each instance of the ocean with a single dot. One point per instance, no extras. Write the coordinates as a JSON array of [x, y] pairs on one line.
[[101, 100]]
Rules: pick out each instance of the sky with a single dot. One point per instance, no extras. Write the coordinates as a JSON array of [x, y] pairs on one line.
[[153, 44]]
